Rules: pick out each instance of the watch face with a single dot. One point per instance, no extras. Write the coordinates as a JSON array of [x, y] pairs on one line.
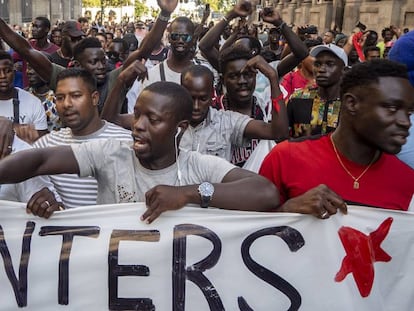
[[206, 189]]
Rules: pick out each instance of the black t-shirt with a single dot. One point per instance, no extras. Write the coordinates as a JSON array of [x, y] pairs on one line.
[[57, 59]]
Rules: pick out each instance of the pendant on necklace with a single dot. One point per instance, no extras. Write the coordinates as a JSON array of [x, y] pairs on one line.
[[356, 185]]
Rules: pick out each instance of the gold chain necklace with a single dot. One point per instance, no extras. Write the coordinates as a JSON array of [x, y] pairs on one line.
[[356, 179]]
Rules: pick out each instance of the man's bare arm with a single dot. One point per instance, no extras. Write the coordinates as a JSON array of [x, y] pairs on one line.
[[298, 48], [155, 34], [113, 103], [207, 44], [239, 190], [278, 129], [25, 164], [40, 63]]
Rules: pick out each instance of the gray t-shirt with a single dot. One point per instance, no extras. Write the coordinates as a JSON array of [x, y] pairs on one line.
[[216, 135], [121, 178], [73, 190], [23, 191]]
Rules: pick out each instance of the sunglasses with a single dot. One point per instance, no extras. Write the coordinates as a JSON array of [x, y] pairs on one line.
[[184, 36]]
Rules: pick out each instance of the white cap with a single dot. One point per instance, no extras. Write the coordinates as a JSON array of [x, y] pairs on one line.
[[339, 52]]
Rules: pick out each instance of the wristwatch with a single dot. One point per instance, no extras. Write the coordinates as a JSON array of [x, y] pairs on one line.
[[206, 191]]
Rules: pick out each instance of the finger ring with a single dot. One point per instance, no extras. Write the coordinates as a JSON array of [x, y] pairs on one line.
[[47, 203], [324, 214], [9, 147], [61, 208]]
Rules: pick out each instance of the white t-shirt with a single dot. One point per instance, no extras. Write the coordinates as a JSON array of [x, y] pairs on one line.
[[263, 91], [153, 76], [31, 110], [121, 177]]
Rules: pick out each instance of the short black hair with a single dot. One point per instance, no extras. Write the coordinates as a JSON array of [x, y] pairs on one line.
[[367, 73], [55, 30], [5, 55], [197, 71], [86, 77], [88, 42], [44, 20], [310, 43], [385, 30], [370, 48], [253, 42], [230, 54], [184, 20], [83, 19], [102, 34], [125, 45], [131, 40], [179, 96]]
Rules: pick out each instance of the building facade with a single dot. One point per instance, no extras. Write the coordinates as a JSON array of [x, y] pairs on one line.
[[326, 14], [23, 11], [344, 14]]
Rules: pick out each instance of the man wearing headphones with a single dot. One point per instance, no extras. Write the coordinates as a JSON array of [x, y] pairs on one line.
[[152, 169]]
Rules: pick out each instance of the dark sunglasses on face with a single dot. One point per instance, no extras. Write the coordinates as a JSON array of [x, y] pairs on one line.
[[184, 36]]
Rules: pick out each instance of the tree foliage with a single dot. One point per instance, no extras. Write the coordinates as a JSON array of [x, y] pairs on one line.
[[140, 9], [217, 5], [99, 3]]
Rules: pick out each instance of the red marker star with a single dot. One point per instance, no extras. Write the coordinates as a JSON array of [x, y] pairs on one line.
[[361, 252]]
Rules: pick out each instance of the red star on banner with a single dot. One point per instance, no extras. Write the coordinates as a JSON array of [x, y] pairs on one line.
[[361, 252]]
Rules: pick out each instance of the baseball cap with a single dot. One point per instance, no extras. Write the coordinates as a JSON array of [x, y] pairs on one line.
[[73, 28], [336, 50], [403, 52]]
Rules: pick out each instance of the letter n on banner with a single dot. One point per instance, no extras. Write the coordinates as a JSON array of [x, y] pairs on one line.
[[19, 285]]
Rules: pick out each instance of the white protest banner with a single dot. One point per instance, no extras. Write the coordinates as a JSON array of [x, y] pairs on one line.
[[205, 259]]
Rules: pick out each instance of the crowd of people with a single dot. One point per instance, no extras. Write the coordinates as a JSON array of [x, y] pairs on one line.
[[172, 112]]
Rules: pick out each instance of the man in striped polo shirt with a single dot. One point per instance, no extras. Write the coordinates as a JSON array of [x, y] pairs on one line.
[[76, 102]]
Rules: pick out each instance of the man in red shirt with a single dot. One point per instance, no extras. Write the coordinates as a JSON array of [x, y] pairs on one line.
[[356, 163], [39, 41], [40, 31]]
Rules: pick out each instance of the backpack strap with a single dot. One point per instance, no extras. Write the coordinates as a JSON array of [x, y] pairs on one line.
[[162, 71], [16, 106]]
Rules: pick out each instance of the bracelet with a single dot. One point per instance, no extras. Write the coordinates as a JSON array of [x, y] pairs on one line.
[[280, 26], [164, 18], [275, 102], [225, 19]]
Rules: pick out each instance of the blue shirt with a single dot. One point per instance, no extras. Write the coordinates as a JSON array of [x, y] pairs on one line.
[[407, 152]]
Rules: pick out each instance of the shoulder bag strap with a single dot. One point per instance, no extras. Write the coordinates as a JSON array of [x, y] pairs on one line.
[[162, 71], [16, 106]]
